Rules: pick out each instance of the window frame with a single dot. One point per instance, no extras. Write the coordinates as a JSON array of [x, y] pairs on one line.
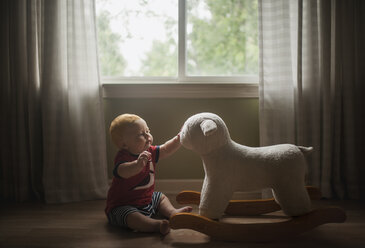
[[178, 87]]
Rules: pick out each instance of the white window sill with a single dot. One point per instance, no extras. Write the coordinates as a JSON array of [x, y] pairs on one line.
[[144, 89]]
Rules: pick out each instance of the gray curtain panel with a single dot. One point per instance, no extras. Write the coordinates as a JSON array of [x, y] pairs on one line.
[[52, 124], [311, 86]]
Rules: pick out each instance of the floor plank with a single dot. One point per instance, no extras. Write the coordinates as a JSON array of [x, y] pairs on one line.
[[83, 224]]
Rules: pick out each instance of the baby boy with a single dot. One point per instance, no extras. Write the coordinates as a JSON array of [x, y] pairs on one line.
[[131, 200]]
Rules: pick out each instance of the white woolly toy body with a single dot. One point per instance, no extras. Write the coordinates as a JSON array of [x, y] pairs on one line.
[[231, 167]]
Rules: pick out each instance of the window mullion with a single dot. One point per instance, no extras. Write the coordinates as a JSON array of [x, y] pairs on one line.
[[182, 41]]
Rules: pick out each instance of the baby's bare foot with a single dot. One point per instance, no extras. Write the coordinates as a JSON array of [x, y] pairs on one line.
[[164, 227], [186, 209]]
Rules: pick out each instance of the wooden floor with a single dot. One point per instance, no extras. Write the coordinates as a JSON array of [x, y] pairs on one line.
[[84, 224]]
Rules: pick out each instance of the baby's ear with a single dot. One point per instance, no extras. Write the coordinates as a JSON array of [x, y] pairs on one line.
[[208, 127]]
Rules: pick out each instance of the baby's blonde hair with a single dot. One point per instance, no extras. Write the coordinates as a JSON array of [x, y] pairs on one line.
[[118, 126]]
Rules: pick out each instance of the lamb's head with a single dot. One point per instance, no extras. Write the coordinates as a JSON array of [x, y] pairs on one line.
[[203, 133]]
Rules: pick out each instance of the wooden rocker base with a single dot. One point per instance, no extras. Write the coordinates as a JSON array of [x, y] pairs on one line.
[[260, 232], [244, 207]]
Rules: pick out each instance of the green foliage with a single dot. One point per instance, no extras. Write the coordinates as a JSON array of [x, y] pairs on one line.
[[161, 61], [225, 43], [111, 61]]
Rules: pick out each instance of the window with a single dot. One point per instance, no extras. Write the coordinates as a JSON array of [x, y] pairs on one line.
[[178, 40], [221, 38]]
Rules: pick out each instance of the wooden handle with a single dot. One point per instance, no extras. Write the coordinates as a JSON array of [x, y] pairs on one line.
[[251, 207], [188, 197], [262, 232], [244, 207]]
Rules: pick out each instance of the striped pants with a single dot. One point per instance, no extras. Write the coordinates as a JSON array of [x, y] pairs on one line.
[[118, 216]]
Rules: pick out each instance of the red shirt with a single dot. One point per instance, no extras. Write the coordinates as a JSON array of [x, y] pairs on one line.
[[136, 190]]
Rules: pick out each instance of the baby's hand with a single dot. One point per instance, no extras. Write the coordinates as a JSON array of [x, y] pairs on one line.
[[177, 138], [143, 158]]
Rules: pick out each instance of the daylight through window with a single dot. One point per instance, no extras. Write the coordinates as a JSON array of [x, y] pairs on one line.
[[141, 38]]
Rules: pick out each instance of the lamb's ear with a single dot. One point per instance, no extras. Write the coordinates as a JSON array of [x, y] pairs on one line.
[[208, 127]]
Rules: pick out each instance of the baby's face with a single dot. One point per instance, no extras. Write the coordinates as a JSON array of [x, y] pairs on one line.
[[138, 137]]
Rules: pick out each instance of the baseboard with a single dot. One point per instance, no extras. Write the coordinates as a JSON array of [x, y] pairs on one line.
[[174, 186]]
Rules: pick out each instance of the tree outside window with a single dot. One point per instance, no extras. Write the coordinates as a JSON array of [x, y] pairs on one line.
[[140, 38]]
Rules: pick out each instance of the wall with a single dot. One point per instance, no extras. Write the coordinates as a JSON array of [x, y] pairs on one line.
[[165, 118]]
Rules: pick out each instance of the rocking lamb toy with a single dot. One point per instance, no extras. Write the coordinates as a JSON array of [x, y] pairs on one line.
[[231, 167]]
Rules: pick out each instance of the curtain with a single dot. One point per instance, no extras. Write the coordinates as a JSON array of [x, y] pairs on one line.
[[311, 87], [52, 123]]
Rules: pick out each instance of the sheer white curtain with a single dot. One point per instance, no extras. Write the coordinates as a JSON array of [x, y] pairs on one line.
[[311, 76], [53, 139]]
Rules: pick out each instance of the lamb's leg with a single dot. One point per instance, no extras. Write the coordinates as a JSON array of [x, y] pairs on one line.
[[294, 200], [214, 199]]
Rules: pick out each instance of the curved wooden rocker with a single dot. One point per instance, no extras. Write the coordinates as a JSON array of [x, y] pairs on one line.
[[260, 232]]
